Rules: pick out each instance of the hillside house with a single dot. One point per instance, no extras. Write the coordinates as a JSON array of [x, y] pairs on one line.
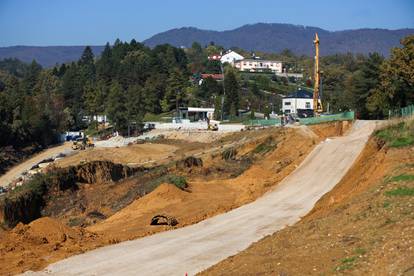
[[258, 65], [217, 77], [299, 102], [231, 57]]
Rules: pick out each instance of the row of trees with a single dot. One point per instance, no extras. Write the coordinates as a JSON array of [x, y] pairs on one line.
[[371, 85], [129, 80]]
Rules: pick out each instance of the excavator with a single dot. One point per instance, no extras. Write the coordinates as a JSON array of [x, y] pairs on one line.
[[317, 104], [83, 143]]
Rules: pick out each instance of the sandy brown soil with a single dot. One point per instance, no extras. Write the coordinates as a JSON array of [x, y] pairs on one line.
[[134, 154], [355, 229], [206, 196]]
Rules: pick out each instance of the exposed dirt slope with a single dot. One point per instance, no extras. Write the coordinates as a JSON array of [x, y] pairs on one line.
[[212, 190], [208, 198], [357, 228], [133, 154], [198, 246], [42, 241]]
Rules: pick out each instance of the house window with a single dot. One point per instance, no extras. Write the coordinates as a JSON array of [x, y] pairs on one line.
[[308, 105], [287, 103], [287, 110]]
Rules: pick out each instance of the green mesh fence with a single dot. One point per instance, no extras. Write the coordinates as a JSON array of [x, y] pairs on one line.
[[407, 111], [402, 112], [262, 122], [328, 118], [306, 121]]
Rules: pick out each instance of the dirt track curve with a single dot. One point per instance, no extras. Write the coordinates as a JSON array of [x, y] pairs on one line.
[[17, 170], [194, 248]]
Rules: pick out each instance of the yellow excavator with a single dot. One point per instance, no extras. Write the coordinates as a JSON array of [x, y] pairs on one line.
[[317, 103], [83, 143]]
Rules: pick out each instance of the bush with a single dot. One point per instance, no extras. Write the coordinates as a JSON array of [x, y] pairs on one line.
[[177, 180]]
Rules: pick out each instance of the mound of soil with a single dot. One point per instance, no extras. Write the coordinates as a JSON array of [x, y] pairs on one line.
[[45, 240], [47, 230]]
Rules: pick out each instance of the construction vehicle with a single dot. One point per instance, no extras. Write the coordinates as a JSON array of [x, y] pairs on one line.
[[211, 126], [82, 143], [317, 104]]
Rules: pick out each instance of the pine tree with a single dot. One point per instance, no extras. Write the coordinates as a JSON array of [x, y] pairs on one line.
[[232, 93], [87, 65], [175, 91], [104, 66], [30, 78], [116, 108]]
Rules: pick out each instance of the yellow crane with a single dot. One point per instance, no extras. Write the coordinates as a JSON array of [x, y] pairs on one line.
[[317, 105]]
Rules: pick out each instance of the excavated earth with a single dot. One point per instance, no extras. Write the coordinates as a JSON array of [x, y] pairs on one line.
[[358, 228], [107, 207]]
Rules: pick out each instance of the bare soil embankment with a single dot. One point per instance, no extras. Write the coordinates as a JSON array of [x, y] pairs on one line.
[[362, 227], [110, 212]]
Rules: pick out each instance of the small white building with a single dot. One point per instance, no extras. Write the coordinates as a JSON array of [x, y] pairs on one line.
[[194, 114], [258, 65], [299, 102], [231, 57]]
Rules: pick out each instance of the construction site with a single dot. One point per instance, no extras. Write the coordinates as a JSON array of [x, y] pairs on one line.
[[218, 188]]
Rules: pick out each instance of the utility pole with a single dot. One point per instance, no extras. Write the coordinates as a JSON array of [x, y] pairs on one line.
[[317, 106]]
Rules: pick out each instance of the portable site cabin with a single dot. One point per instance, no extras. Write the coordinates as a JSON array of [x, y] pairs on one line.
[[195, 114]]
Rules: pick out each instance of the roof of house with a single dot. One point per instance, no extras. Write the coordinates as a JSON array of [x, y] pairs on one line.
[[258, 60], [214, 76], [300, 94], [232, 52], [197, 109]]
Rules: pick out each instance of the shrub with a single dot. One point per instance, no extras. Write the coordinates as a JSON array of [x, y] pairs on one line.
[[177, 180]]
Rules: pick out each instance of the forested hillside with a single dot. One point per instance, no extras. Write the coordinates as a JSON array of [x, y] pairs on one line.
[[274, 38], [271, 38], [130, 80]]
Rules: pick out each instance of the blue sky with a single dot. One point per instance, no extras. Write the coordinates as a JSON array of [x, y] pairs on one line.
[[94, 22]]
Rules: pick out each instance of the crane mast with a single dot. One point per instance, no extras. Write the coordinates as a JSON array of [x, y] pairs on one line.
[[317, 105]]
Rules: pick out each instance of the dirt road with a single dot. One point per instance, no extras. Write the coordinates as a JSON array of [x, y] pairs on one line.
[[194, 248], [16, 171]]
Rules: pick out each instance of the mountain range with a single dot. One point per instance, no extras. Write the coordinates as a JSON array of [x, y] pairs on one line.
[[264, 37]]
